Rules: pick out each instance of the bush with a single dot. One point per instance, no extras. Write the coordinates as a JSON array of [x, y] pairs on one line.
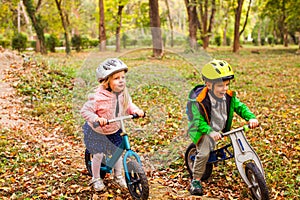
[[94, 42], [270, 39], [200, 43], [218, 40], [4, 43], [51, 42], [76, 42], [124, 40], [19, 41], [228, 41], [263, 41], [85, 42], [255, 41]]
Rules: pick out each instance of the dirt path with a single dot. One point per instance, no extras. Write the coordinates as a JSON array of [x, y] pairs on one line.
[[8, 100]]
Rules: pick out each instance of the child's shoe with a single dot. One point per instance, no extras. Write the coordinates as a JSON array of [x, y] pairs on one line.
[[121, 181], [196, 188], [97, 184]]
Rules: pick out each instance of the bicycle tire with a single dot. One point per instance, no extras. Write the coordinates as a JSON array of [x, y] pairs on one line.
[[88, 164], [259, 189], [189, 158], [137, 184]]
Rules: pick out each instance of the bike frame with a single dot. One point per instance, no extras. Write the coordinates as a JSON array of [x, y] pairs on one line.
[[125, 146], [243, 152]]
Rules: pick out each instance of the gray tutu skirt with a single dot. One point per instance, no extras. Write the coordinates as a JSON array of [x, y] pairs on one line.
[[99, 143]]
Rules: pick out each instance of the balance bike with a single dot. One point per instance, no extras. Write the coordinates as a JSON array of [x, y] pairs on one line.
[[247, 162], [135, 176]]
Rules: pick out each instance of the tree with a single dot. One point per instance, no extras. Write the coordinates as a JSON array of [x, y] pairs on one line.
[[119, 25], [193, 22], [206, 22], [171, 22], [155, 28], [65, 24], [102, 33], [36, 20], [237, 33], [285, 14]]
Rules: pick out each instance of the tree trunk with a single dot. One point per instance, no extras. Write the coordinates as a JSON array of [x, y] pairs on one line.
[[102, 34], [37, 24], [65, 24], [206, 28], [247, 15], [259, 34], [171, 22], [238, 13], [285, 29], [193, 22], [155, 29], [225, 33], [118, 30]]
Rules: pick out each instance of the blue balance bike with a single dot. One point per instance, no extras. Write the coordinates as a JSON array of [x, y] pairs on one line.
[[135, 176], [246, 160]]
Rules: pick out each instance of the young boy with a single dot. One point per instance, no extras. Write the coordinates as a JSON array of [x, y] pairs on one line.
[[213, 114]]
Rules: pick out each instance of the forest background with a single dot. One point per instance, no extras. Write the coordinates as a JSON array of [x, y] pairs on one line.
[[165, 43]]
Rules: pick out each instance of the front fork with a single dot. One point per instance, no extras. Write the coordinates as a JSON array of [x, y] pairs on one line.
[[129, 153], [243, 152]]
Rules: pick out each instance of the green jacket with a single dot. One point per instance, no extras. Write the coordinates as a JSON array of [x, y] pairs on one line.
[[200, 124]]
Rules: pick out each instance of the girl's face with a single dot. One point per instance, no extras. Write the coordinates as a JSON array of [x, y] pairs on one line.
[[220, 88], [117, 82]]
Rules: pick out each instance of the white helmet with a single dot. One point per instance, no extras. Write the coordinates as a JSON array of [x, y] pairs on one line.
[[109, 67]]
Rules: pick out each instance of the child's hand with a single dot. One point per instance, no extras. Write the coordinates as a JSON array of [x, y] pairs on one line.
[[253, 123], [140, 113], [102, 121], [215, 135]]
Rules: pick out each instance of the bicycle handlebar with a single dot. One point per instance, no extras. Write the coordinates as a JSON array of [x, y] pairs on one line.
[[244, 128], [133, 116]]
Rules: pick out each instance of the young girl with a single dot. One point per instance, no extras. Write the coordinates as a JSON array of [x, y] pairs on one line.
[[109, 101]]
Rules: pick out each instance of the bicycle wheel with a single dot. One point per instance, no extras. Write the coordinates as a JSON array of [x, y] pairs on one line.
[[259, 189], [88, 164], [189, 157], [137, 183]]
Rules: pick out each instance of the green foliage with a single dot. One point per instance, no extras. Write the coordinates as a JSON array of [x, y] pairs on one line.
[[49, 91], [51, 42], [200, 43], [4, 43], [85, 42], [94, 42], [124, 40], [228, 41], [270, 39], [76, 42], [19, 41], [218, 40]]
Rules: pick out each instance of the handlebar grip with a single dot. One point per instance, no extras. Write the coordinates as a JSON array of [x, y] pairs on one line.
[[135, 116], [246, 127]]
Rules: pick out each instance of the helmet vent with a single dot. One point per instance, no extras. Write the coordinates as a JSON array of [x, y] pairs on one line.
[[218, 71], [229, 68], [222, 64]]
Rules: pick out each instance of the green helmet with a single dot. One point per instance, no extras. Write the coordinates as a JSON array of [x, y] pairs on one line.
[[217, 70]]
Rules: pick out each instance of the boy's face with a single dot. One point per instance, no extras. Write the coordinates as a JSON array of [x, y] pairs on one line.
[[219, 89], [117, 81]]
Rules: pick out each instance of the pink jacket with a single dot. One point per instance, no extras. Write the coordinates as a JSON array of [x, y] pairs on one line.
[[103, 103]]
